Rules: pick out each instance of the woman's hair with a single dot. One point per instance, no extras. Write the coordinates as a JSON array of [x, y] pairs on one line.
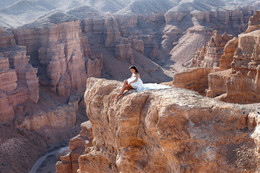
[[133, 67]]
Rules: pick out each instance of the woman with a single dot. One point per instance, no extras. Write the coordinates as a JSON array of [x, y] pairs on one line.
[[134, 82]]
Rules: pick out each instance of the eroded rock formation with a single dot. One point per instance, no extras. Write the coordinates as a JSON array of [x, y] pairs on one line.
[[237, 77], [19, 81], [182, 46], [64, 58], [242, 81], [194, 79], [69, 162], [29, 107], [210, 55], [172, 130]]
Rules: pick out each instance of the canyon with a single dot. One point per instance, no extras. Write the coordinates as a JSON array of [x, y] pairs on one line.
[[45, 62], [177, 130]]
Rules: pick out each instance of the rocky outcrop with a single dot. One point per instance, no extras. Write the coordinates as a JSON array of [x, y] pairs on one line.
[[171, 130], [8, 76], [253, 22], [227, 57], [237, 78], [6, 38], [195, 79], [112, 32], [62, 54], [65, 61], [29, 112], [198, 27], [94, 64], [124, 51], [62, 117], [69, 162], [217, 83], [210, 55], [27, 79], [19, 81], [242, 85], [244, 82]]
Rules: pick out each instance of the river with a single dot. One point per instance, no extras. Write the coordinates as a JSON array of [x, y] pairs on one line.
[[46, 163]]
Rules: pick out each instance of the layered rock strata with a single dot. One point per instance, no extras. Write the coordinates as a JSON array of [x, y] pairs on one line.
[[125, 40], [62, 54], [19, 81], [30, 108], [242, 84], [198, 27], [237, 77], [195, 79], [69, 162], [63, 57], [210, 55], [171, 130]]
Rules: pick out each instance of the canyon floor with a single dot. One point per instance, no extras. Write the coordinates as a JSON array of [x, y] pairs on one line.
[[50, 49]]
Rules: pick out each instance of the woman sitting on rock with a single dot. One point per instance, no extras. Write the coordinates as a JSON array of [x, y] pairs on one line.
[[134, 82]]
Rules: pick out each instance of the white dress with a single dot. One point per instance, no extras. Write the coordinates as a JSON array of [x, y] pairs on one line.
[[138, 85]]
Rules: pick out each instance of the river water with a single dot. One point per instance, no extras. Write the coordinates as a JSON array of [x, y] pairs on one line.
[[46, 163]]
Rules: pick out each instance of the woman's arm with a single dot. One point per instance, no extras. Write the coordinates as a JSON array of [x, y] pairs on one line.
[[136, 78]]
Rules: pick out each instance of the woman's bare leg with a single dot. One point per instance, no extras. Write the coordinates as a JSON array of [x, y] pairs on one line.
[[124, 88]]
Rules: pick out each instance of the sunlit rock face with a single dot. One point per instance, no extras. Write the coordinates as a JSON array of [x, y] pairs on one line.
[[60, 55], [198, 27], [210, 55], [242, 83], [69, 162], [28, 101], [235, 77], [170, 130], [19, 81]]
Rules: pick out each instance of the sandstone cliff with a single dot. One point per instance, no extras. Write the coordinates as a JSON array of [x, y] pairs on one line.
[[124, 40], [241, 83], [171, 130], [210, 55], [236, 77], [30, 110], [19, 81], [69, 162], [198, 27]]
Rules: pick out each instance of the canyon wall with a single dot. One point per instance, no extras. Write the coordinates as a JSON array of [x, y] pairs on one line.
[[125, 40], [19, 81], [234, 76], [194, 79], [210, 55], [171, 130], [244, 82], [60, 52], [32, 91], [185, 32], [69, 162]]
